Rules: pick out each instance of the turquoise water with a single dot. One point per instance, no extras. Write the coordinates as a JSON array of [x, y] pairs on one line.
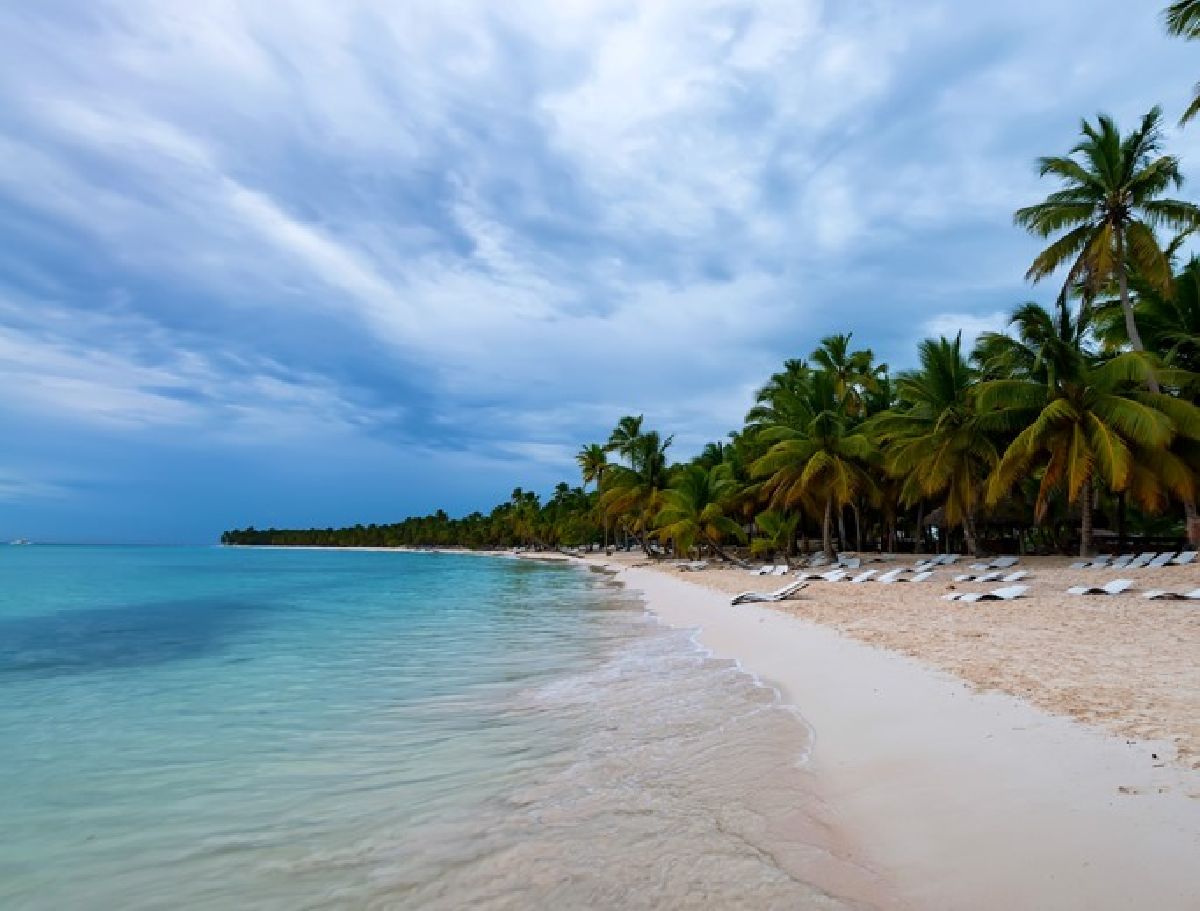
[[217, 728]]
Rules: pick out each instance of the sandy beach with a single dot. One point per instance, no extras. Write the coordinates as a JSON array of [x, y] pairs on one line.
[[1035, 754]]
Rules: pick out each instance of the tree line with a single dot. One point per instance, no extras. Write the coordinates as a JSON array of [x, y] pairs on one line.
[[1080, 416]]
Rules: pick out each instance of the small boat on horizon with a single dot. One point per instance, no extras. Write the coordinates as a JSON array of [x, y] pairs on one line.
[[18, 542]]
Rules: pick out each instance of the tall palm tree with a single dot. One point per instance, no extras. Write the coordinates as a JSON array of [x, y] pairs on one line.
[[1183, 19], [621, 440], [933, 441], [694, 509], [633, 492], [1110, 202], [1169, 321], [854, 373], [593, 463], [816, 461], [1081, 421]]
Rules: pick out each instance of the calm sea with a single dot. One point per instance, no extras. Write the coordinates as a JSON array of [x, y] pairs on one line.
[[228, 728]]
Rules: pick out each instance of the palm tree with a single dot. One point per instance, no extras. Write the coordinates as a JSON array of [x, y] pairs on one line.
[[816, 461], [778, 532], [1183, 19], [694, 509], [854, 373], [1169, 321], [621, 440], [1109, 205], [933, 440], [633, 492], [1080, 421], [593, 463]]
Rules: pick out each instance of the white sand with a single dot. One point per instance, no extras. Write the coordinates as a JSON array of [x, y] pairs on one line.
[[966, 801]]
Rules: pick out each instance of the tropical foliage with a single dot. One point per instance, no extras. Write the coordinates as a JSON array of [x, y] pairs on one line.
[[1079, 418]]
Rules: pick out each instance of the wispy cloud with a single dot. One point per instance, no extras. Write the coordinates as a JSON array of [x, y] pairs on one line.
[[491, 229]]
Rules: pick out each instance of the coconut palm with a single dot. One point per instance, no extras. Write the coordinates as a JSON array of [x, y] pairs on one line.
[[633, 492], [694, 509], [1183, 19], [593, 463], [933, 441], [854, 373], [1169, 322], [777, 532], [1081, 421], [621, 440], [1110, 202], [816, 461]]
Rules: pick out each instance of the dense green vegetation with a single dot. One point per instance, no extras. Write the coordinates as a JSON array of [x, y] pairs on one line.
[[1081, 416]]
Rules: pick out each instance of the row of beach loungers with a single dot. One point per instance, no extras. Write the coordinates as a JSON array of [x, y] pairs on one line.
[[1149, 560]]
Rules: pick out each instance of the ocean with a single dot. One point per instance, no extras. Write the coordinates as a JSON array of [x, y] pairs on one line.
[[272, 729]]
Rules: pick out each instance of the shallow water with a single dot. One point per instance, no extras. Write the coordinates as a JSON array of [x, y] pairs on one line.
[[216, 728]]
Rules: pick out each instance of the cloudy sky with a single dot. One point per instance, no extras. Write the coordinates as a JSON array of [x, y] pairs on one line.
[[324, 261]]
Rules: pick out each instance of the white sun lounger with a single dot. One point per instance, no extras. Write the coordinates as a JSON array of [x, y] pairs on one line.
[[996, 594], [1162, 559], [778, 595], [919, 577], [761, 570], [693, 567], [864, 576], [1156, 594], [1188, 556], [780, 570], [891, 575], [1015, 576], [1115, 587], [850, 563]]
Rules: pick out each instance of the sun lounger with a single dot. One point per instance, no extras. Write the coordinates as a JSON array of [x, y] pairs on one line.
[[1007, 593], [1156, 594], [1015, 577], [1115, 587], [919, 577], [1188, 556], [850, 563], [761, 570], [864, 576], [834, 575], [891, 575], [1162, 559], [780, 570], [778, 595], [693, 567]]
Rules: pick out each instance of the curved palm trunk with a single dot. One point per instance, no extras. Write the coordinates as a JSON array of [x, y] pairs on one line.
[[827, 530], [1085, 522]]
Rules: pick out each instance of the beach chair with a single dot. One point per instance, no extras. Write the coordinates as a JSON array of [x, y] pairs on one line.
[[1115, 587], [834, 575], [1005, 562], [891, 575], [762, 570], [850, 563], [919, 577], [694, 567], [864, 576], [779, 594], [1156, 594], [1119, 563], [1007, 593], [1162, 559], [780, 570], [1141, 560], [1016, 576], [1188, 556]]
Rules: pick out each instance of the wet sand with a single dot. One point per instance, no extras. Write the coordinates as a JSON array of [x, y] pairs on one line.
[[1035, 754]]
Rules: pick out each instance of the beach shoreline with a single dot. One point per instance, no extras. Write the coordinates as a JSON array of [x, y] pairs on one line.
[[960, 798]]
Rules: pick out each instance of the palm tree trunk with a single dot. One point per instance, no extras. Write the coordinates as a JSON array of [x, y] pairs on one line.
[[1131, 329], [857, 526], [969, 533], [1085, 522], [841, 517], [827, 530], [1192, 522]]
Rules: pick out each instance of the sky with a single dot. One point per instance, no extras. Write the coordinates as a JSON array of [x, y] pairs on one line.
[[323, 262]]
